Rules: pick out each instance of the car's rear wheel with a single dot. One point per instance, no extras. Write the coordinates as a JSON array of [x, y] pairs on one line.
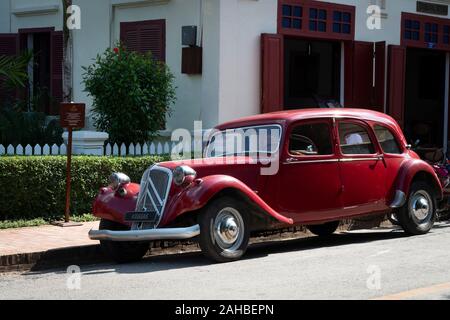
[[224, 230], [418, 215], [323, 230], [122, 252]]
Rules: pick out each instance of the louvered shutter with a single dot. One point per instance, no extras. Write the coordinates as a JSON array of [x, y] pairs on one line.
[[56, 83], [145, 36], [9, 46], [396, 94]]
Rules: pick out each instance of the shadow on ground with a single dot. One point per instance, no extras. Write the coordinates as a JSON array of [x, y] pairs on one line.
[[255, 251]]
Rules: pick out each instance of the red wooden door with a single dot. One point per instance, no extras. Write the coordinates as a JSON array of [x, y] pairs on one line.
[[272, 72], [360, 89], [380, 76], [396, 88]]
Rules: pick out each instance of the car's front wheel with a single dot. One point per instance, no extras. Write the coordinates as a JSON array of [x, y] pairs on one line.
[[122, 252], [418, 215], [224, 230], [324, 230]]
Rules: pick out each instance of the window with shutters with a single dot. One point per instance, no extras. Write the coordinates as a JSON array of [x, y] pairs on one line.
[[145, 36], [8, 47]]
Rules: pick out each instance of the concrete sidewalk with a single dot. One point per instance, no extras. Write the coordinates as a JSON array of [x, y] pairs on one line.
[[26, 248]]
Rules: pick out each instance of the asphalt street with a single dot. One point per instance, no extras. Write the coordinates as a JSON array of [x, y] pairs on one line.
[[369, 264]]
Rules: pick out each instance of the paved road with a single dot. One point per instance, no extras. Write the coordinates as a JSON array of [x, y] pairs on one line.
[[362, 265]]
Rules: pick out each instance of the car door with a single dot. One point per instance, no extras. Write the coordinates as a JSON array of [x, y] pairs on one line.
[[310, 183], [394, 155], [362, 168]]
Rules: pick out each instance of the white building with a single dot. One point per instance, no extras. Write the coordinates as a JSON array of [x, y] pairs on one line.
[[262, 55]]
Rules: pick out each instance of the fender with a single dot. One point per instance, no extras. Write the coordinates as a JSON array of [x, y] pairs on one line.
[[408, 170], [201, 191], [110, 206]]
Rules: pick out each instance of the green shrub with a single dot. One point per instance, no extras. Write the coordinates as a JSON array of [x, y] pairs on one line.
[[34, 187], [132, 94]]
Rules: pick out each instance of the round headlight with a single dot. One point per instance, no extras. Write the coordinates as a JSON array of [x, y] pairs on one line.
[[118, 179], [183, 174]]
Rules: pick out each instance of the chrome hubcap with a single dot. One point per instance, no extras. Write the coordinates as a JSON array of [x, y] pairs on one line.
[[420, 205], [228, 229]]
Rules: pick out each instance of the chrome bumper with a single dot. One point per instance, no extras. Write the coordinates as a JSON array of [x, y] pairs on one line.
[[146, 235]]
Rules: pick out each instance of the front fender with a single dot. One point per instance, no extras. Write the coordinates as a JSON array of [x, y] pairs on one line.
[[201, 191], [110, 206], [410, 169]]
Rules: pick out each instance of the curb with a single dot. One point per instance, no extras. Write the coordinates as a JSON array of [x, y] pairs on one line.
[[52, 258]]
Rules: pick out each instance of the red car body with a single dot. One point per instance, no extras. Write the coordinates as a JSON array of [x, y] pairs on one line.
[[307, 190]]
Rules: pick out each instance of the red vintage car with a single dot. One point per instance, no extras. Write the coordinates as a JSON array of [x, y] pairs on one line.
[[329, 165]]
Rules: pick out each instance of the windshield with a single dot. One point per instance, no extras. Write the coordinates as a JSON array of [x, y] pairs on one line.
[[248, 141]]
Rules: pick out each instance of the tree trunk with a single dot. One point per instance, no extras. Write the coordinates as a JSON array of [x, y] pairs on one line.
[[67, 56]]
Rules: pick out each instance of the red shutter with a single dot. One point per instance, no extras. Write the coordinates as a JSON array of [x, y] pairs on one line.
[[396, 74], [56, 83], [9, 46], [348, 74], [380, 76], [362, 74], [272, 72], [145, 36]]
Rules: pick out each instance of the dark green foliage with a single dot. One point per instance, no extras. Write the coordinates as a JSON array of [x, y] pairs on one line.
[[132, 95], [28, 128], [34, 187]]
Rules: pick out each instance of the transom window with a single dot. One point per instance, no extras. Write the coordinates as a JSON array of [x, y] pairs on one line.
[[431, 32], [292, 16], [412, 29], [311, 139], [422, 31], [387, 140], [342, 22], [354, 139], [317, 20]]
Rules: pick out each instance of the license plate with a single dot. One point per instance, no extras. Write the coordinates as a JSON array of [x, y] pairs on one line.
[[147, 216]]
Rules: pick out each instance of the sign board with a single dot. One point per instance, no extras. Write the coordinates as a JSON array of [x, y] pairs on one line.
[[72, 115], [432, 8]]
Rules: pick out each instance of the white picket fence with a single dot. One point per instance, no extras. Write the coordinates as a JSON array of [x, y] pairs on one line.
[[153, 148]]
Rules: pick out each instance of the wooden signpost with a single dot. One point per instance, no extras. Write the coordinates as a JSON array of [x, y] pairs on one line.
[[72, 116]]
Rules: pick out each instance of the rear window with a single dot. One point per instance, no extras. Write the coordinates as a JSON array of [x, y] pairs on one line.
[[387, 140]]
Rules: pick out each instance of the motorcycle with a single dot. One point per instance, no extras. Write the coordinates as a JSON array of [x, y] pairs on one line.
[[440, 162]]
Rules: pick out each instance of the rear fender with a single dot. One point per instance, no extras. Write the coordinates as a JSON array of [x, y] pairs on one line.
[[201, 191], [410, 170]]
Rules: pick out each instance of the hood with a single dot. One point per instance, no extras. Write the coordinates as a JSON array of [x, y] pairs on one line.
[[240, 168]]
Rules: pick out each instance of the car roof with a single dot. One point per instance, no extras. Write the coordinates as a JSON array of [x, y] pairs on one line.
[[313, 113]]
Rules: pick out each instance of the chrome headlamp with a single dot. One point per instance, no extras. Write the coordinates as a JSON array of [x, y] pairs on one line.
[[183, 175], [118, 179]]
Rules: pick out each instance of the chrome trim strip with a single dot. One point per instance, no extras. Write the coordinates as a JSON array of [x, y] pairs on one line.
[[146, 235], [311, 161], [399, 200], [359, 159]]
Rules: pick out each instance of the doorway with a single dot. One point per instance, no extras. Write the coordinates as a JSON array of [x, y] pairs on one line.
[[425, 97], [312, 73]]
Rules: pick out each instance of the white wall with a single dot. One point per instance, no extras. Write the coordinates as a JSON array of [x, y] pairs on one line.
[[5, 21], [241, 25], [90, 40], [24, 14]]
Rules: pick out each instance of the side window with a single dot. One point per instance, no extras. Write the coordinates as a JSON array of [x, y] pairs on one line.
[[355, 139], [387, 140], [313, 139]]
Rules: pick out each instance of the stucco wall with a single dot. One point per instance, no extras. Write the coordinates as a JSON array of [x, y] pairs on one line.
[[24, 14]]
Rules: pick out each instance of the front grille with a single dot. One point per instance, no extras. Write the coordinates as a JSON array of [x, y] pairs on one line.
[[154, 190]]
